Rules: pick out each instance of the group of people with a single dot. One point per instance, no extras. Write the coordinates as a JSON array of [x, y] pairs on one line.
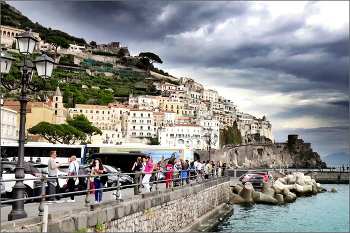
[[14, 159], [147, 171]]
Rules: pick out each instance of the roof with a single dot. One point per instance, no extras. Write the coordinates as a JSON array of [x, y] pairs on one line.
[[120, 106], [141, 110], [91, 106], [187, 125], [9, 109], [158, 113], [58, 92], [151, 97], [168, 111]]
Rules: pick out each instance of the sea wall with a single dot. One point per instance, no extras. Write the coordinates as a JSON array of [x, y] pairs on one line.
[[163, 211]]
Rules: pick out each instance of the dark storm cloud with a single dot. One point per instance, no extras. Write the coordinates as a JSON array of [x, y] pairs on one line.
[[341, 103]]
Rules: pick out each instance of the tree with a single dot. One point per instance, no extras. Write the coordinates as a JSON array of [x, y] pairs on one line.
[[149, 58], [62, 133], [93, 43], [83, 124], [57, 41]]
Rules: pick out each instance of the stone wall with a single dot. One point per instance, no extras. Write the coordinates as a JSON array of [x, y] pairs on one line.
[[162, 211]]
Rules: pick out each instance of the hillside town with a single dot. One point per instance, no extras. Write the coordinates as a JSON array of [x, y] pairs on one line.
[[181, 114]]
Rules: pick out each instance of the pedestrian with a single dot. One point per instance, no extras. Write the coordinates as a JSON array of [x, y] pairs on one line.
[[14, 159], [31, 160], [38, 160], [92, 179], [206, 170], [347, 167], [192, 171], [339, 179], [73, 170], [147, 171], [199, 168], [4, 158], [54, 187], [219, 169], [97, 170], [213, 169], [184, 173], [169, 174], [223, 169], [343, 168], [137, 168]]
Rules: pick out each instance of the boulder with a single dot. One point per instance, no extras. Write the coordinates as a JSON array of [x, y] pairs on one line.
[[334, 190], [279, 198], [232, 196], [260, 197], [245, 195], [314, 189], [237, 189]]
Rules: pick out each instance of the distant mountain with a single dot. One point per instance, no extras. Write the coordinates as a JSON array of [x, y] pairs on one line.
[[337, 158]]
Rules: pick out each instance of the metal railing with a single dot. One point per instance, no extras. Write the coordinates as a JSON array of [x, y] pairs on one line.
[[192, 174]]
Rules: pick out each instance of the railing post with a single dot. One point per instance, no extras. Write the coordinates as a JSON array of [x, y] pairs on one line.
[[118, 187], [140, 188], [87, 200], [43, 196], [196, 174], [180, 175], [157, 177], [188, 179]]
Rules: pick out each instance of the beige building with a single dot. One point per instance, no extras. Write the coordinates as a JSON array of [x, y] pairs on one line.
[[9, 126], [177, 107], [8, 35]]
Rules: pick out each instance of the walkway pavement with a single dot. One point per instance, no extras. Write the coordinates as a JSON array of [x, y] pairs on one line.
[[32, 208]]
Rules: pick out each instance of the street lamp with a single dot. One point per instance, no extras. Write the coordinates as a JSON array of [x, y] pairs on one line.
[[25, 43], [210, 139]]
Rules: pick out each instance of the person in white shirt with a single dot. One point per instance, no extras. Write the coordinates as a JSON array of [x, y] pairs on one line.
[[72, 171], [199, 168]]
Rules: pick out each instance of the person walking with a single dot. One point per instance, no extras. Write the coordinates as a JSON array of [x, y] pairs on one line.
[[98, 169], [4, 158], [169, 174], [73, 170], [137, 168], [184, 175], [147, 171], [192, 171], [199, 169], [219, 169], [53, 184], [223, 169]]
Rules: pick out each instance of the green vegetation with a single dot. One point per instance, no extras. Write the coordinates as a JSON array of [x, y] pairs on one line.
[[81, 123], [85, 229], [63, 133], [100, 227], [230, 136]]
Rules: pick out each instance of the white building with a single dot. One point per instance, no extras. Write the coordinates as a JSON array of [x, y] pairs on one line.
[[211, 95], [215, 126], [182, 134], [143, 102], [140, 123], [9, 127]]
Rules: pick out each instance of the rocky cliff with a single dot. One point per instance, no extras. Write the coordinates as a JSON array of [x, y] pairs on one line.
[[293, 153]]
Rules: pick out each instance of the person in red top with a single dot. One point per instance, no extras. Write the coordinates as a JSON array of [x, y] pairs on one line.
[[147, 171], [169, 173]]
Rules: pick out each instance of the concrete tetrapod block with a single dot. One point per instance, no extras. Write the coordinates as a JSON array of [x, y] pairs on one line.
[[289, 198], [260, 197], [314, 189], [280, 199], [334, 190], [282, 180], [237, 189], [266, 189], [232, 196], [245, 195], [302, 190], [278, 187]]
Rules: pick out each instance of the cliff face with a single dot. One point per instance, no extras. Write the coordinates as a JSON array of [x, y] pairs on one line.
[[288, 155]]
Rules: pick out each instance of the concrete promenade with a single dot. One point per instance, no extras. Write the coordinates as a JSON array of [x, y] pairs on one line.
[[32, 208]]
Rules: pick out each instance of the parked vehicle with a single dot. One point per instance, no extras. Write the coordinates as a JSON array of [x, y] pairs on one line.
[[266, 174], [256, 180], [3, 191], [112, 179], [81, 182], [8, 170]]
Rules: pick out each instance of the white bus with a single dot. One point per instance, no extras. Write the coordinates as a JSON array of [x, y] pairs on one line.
[[42, 150], [157, 152]]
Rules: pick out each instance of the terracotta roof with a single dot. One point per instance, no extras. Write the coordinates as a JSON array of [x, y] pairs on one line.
[[186, 125], [144, 110], [120, 106], [91, 106], [158, 113]]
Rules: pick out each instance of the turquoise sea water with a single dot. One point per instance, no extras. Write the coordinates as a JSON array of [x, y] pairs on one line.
[[324, 212]]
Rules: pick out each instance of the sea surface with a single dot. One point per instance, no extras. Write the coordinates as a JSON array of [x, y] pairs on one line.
[[324, 212]]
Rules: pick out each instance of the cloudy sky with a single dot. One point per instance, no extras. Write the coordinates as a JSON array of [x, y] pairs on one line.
[[286, 60]]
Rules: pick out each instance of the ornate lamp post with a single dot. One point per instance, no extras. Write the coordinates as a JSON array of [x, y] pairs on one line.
[[210, 139], [44, 66]]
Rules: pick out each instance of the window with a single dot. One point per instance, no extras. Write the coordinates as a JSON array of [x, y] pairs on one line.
[[141, 114], [103, 112], [133, 134], [97, 112], [141, 127], [133, 128], [149, 127], [134, 114], [97, 117], [141, 134], [92, 117], [91, 111], [109, 112], [86, 111], [149, 115], [81, 111], [103, 118], [121, 112]]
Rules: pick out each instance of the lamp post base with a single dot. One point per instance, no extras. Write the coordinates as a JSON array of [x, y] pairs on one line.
[[16, 214]]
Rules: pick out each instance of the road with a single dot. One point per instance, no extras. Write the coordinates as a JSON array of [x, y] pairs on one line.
[[32, 208]]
